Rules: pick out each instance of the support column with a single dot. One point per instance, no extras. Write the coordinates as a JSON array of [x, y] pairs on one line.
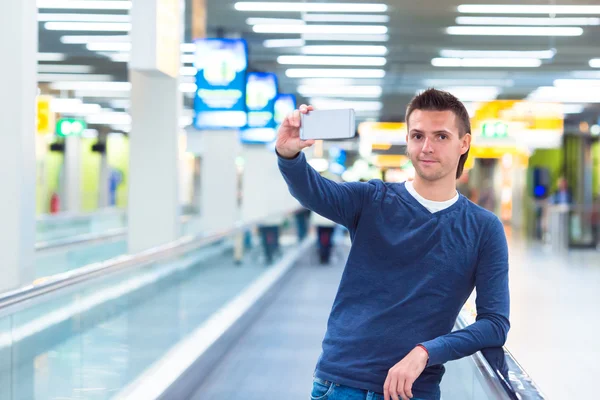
[[153, 207], [218, 180], [18, 21], [72, 170]]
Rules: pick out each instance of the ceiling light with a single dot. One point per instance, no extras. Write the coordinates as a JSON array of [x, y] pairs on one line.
[[576, 83], [188, 71], [487, 62], [542, 54], [335, 73], [100, 86], [327, 103], [563, 95], [329, 81], [321, 29], [349, 50], [365, 19], [84, 4], [65, 69], [273, 43], [274, 21], [118, 57], [188, 87], [346, 38], [109, 118], [83, 39], [340, 91], [51, 57], [573, 108], [73, 77], [120, 103], [83, 17], [468, 82], [514, 31], [188, 47], [514, 21], [89, 26], [73, 107], [108, 46], [473, 93], [326, 60], [585, 74], [188, 58], [311, 7], [595, 63], [110, 94], [526, 9]]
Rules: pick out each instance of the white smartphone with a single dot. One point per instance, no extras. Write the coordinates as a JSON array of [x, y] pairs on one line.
[[328, 124]]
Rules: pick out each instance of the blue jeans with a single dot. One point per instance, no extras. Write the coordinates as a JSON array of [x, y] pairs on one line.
[[325, 390]]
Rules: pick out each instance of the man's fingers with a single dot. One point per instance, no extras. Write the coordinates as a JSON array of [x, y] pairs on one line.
[[400, 388], [393, 388], [408, 388], [386, 388]]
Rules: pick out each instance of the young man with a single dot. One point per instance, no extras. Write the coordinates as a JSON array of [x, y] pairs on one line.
[[418, 250]]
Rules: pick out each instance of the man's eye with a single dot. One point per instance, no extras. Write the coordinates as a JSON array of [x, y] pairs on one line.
[[443, 137], [417, 136]]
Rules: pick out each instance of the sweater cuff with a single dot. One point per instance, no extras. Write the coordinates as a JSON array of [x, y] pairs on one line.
[[436, 350], [289, 162]]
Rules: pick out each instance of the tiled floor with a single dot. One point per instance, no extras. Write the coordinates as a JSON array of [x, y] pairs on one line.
[[555, 318]]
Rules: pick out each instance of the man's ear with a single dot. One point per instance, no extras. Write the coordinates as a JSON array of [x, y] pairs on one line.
[[466, 143]]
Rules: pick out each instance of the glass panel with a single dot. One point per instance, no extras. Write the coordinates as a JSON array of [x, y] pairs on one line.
[[5, 358]]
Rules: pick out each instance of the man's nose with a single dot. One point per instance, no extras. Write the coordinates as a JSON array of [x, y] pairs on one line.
[[427, 148]]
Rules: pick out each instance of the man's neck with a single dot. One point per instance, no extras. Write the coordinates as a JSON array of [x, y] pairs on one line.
[[440, 190]]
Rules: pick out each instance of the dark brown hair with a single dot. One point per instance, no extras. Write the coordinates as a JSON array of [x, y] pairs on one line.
[[438, 100]]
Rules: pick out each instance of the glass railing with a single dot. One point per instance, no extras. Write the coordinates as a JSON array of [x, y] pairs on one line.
[[89, 332], [50, 228]]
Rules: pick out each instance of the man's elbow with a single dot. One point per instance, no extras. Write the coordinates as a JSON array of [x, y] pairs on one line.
[[500, 326]]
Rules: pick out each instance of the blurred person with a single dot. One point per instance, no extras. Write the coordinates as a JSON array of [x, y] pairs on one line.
[[325, 229], [487, 196], [418, 250], [562, 194]]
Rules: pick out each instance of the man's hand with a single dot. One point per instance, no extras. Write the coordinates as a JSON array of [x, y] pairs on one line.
[[289, 143], [400, 379]]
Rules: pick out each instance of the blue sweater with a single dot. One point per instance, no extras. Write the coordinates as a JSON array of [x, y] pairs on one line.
[[408, 275]]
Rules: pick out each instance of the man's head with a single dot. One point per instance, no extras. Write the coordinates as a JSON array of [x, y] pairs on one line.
[[439, 135]]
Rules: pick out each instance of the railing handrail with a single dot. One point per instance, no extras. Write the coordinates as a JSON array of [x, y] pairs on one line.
[[178, 247], [515, 381], [64, 216], [86, 238]]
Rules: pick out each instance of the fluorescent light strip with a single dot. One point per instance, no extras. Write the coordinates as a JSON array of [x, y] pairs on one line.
[[585, 74], [83, 18], [327, 103], [321, 29], [330, 81], [474, 93], [275, 43], [595, 63], [514, 31], [188, 71], [340, 91], [526, 9], [487, 62], [51, 56], [86, 85], [109, 46], [573, 108], [468, 82], [111, 94], [73, 107], [542, 54], [73, 77], [274, 21], [523, 21], [335, 73], [65, 69], [84, 39], [188, 87], [365, 19], [346, 50], [188, 47], [89, 26], [346, 38], [310, 7], [576, 83], [563, 95], [84, 5], [325, 60]]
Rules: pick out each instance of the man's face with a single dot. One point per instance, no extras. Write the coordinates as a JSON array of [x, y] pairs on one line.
[[434, 144]]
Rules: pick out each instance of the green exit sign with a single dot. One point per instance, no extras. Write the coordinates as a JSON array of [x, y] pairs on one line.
[[70, 127], [495, 130]]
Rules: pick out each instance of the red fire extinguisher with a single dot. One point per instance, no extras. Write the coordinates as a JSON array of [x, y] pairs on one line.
[[54, 204]]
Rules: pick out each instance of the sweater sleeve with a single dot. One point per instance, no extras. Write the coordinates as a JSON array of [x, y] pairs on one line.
[[339, 202], [493, 304]]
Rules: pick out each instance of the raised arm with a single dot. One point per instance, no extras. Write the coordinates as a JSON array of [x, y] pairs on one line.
[[340, 202]]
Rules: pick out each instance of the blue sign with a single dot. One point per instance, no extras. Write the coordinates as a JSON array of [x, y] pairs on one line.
[[285, 104], [261, 92], [220, 100]]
